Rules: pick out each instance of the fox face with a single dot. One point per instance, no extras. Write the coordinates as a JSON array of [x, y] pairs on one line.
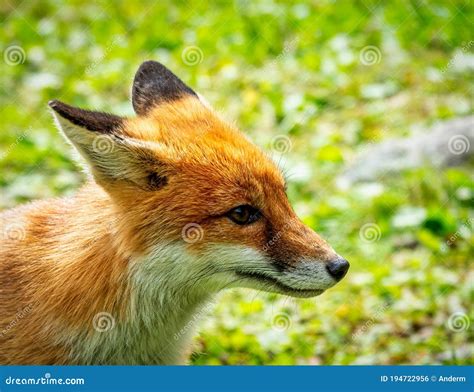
[[193, 196]]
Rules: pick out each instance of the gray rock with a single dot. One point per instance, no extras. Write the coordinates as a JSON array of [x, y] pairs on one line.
[[448, 143]]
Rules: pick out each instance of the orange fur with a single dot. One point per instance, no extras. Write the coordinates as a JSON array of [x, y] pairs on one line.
[[69, 259]]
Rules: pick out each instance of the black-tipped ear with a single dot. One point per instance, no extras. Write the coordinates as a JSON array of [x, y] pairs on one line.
[[153, 84], [93, 121], [112, 157]]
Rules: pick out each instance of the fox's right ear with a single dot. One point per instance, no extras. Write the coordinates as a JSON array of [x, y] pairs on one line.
[[113, 157]]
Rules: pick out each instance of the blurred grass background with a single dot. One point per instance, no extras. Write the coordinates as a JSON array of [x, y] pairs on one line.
[[295, 70]]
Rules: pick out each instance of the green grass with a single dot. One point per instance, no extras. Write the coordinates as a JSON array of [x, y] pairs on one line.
[[280, 69]]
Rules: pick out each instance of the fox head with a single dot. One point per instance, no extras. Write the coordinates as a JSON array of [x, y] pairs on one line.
[[191, 191]]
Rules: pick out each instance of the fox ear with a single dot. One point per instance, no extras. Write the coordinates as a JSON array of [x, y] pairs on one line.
[[154, 84], [113, 157]]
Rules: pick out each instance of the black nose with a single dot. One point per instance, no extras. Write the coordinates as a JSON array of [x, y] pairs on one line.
[[338, 268]]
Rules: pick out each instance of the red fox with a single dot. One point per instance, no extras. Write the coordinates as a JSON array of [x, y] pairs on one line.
[[178, 206]]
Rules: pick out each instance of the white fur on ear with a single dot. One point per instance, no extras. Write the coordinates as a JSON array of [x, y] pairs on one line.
[[66, 129], [114, 157], [204, 101]]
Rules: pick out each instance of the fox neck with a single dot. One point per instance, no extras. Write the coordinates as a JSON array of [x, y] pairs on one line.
[[153, 304], [167, 301]]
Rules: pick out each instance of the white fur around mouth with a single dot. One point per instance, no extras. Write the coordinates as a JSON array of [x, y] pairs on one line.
[[274, 285]]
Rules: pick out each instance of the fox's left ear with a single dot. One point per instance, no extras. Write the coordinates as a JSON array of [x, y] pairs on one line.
[[155, 84], [113, 157]]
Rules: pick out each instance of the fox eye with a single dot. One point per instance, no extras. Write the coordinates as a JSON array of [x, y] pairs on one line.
[[244, 214]]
